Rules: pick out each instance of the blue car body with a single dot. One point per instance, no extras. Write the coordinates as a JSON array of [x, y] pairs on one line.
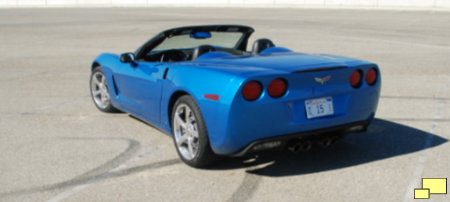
[[148, 90]]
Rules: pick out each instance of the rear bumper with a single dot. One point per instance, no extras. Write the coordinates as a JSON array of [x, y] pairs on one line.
[[278, 119], [280, 141], [248, 123], [242, 123]]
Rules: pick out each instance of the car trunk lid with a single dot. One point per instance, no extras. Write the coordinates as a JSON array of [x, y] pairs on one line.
[[285, 62]]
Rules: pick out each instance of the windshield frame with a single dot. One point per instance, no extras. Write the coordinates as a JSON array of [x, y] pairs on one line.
[[241, 44], [185, 41]]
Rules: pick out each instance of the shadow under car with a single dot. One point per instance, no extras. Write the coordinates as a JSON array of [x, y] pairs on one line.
[[384, 139]]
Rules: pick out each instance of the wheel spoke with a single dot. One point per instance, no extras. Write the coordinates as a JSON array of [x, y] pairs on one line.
[[195, 144], [102, 80], [194, 131], [98, 82], [180, 121], [187, 114], [105, 92], [103, 99], [190, 147], [96, 92], [182, 140]]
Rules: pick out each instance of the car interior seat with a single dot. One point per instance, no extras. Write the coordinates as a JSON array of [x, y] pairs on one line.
[[261, 44], [200, 50]]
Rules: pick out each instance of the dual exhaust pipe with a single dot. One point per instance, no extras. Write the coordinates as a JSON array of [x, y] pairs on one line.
[[305, 145], [329, 141], [301, 145]]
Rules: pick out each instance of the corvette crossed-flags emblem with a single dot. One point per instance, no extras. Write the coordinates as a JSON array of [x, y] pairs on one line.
[[322, 80]]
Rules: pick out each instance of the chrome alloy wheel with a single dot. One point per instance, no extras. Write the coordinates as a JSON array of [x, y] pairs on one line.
[[99, 90], [186, 131]]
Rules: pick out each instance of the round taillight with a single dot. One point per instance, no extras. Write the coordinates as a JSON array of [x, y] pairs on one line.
[[277, 88], [252, 90], [355, 79], [371, 76]]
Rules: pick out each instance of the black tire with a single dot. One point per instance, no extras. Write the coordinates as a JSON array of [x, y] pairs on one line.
[[96, 87], [204, 155]]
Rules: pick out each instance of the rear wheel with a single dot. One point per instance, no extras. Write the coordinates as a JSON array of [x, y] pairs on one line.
[[189, 133], [99, 91]]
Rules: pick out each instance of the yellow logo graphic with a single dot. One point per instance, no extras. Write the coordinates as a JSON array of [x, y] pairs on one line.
[[431, 186]]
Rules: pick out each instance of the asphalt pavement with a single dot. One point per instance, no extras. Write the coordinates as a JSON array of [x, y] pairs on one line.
[[56, 146]]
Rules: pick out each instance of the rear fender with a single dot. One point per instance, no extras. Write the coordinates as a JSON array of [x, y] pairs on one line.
[[198, 82]]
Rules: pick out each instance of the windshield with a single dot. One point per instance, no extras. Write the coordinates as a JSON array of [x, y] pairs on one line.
[[184, 41]]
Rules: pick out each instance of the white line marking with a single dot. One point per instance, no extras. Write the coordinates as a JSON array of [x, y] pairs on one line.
[[417, 175]]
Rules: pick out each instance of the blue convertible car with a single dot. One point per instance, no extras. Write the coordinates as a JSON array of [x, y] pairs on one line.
[[201, 85]]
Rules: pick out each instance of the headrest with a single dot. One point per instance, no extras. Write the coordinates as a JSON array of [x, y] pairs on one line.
[[200, 50], [261, 44]]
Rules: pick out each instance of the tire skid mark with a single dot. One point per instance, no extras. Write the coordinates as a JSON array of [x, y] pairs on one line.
[[249, 183], [133, 147], [111, 174], [246, 189], [137, 169]]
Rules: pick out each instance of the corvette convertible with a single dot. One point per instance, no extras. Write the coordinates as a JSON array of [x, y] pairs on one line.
[[202, 86]]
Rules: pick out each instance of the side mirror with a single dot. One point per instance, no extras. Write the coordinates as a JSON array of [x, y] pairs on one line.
[[127, 58]]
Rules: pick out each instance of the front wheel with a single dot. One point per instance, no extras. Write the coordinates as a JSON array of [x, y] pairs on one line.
[[99, 91], [190, 134]]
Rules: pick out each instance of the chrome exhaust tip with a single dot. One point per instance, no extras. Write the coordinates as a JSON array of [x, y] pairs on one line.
[[334, 140], [328, 141], [302, 145], [325, 142], [305, 145]]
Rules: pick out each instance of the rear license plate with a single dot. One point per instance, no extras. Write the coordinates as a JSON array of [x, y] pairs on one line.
[[319, 107]]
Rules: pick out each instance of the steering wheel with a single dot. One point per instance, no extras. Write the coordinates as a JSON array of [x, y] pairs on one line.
[[172, 55]]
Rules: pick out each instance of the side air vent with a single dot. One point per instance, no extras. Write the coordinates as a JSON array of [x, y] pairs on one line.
[[116, 91], [319, 69], [165, 73]]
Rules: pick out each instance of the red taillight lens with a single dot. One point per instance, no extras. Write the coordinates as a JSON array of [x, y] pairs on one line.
[[252, 90], [355, 79], [371, 76], [277, 88]]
